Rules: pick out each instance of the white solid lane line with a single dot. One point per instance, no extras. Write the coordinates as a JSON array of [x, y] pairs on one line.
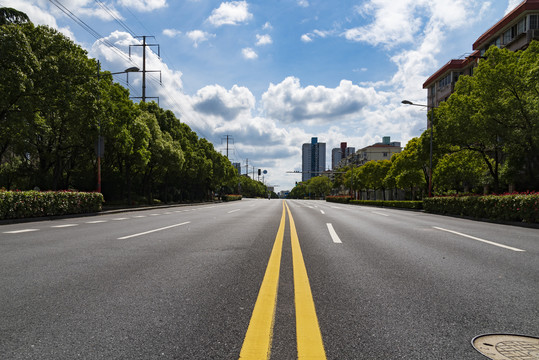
[[64, 226], [478, 239], [152, 231], [233, 211], [322, 211], [20, 231], [333, 234], [379, 213], [96, 222]]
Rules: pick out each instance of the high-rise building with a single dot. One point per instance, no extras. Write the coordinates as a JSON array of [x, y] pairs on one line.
[[313, 159], [336, 157], [338, 154], [237, 166]]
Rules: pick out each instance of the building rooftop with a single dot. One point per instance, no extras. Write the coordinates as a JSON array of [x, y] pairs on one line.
[[506, 20], [451, 65], [485, 38]]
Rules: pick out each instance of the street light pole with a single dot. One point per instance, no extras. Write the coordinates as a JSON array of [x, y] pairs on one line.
[[99, 138], [430, 110]]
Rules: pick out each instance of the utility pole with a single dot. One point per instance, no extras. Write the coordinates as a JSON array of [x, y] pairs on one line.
[[144, 71], [247, 167], [99, 132], [227, 138]]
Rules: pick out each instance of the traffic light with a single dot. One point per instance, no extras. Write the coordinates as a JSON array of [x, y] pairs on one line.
[[259, 172]]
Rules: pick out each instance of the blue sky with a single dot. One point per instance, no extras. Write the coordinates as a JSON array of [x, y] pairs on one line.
[[272, 74]]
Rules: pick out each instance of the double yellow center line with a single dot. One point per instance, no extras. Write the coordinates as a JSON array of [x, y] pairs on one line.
[[257, 342]]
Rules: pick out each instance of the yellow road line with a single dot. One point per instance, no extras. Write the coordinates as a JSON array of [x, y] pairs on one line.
[[257, 342], [308, 335]]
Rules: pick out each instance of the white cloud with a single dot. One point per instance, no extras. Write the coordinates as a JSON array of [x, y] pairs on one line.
[[215, 100], [198, 36], [267, 26], [263, 40], [306, 38], [394, 23], [511, 5], [303, 3], [230, 13], [407, 21], [290, 102], [309, 37], [171, 32], [421, 23], [249, 53], [143, 5]]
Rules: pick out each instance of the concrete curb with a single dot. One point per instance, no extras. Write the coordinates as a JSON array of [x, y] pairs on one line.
[[104, 212]]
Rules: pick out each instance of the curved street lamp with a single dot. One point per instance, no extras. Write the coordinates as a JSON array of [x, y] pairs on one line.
[[99, 140], [430, 110]]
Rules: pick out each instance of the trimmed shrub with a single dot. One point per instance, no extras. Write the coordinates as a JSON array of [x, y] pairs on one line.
[[417, 205], [231, 197], [509, 207], [25, 204], [339, 199]]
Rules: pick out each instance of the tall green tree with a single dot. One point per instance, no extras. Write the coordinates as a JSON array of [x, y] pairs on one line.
[[319, 186], [12, 16], [460, 171], [53, 108], [495, 113], [408, 169]]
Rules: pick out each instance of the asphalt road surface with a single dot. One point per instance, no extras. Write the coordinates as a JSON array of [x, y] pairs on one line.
[[328, 280]]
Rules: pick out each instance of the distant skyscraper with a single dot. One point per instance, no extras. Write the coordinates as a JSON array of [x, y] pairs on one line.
[[336, 157], [237, 166], [313, 159], [337, 154]]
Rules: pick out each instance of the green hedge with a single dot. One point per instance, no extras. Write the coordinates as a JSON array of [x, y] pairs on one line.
[[26, 204], [339, 199], [231, 197], [382, 203], [510, 207], [390, 203]]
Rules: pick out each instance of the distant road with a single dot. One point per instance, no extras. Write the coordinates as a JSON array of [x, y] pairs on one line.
[[182, 283]]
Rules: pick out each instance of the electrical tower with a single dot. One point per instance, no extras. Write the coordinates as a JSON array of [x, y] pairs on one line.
[[227, 137], [144, 71]]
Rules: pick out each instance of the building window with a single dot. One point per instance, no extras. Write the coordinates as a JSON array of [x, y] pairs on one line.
[[507, 37], [385, 154], [534, 21], [521, 27], [445, 81]]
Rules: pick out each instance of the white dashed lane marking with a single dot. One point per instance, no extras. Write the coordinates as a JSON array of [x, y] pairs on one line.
[[333, 234], [152, 231], [20, 231], [478, 239]]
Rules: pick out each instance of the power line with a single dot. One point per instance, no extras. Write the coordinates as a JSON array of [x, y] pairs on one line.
[[113, 15], [89, 29]]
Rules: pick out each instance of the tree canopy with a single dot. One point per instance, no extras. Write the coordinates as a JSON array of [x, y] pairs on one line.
[[495, 113], [54, 107]]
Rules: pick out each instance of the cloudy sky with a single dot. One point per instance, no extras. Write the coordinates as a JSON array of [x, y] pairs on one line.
[[273, 74]]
